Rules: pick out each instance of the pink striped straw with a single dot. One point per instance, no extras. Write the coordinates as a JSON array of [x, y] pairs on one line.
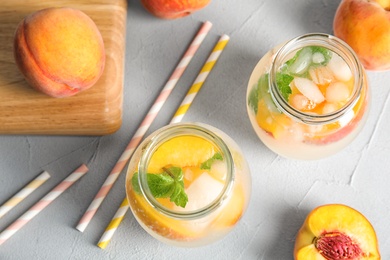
[[43, 203], [145, 124]]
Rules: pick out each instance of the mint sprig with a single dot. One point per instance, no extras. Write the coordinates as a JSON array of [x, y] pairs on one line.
[[169, 184], [206, 165]]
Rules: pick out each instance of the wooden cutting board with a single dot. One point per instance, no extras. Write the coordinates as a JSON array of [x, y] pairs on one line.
[[96, 111]]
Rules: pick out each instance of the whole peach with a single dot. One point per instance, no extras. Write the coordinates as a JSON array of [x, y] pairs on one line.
[[172, 9], [365, 26], [60, 51]]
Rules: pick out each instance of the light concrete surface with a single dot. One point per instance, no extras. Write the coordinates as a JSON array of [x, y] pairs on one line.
[[284, 190]]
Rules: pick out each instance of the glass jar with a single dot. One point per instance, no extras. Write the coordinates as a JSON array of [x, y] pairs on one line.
[[216, 180], [308, 98]]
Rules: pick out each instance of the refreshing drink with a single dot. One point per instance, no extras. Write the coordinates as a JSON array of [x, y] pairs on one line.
[[308, 98], [188, 184]]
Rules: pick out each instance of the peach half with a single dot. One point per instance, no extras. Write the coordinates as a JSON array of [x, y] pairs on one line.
[[60, 51], [336, 231]]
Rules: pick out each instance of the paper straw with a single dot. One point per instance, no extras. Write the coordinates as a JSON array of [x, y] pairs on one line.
[[200, 79], [23, 193], [43, 203], [178, 116], [114, 224], [148, 120]]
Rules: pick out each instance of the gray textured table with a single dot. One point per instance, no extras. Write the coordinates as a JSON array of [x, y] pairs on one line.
[[284, 190]]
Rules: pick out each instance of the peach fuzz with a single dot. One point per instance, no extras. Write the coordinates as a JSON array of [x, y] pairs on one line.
[[172, 9], [60, 51], [365, 26]]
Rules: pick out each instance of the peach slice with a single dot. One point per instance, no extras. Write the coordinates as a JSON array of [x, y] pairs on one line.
[[336, 231], [273, 123], [181, 151], [163, 225]]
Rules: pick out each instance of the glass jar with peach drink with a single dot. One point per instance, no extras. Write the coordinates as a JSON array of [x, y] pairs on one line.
[[188, 184], [308, 98]]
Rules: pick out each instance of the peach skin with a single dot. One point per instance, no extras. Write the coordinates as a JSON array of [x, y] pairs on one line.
[[168, 9], [365, 26], [60, 51]]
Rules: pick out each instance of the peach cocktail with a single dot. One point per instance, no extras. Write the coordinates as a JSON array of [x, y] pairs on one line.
[[308, 98], [188, 184]]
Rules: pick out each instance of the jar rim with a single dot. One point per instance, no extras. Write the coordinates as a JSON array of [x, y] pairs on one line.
[[337, 46], [181, 129]]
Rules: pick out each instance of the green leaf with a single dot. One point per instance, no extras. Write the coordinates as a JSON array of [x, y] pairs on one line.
[[207, 164], [175, 172], [169, 184], [283, 82], [258, 92], [160, 185], [179, 197]]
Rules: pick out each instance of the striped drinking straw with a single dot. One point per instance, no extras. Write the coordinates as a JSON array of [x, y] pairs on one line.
[[145, 124], [178, 116], [200, 79], [23, 193], [43, 203]]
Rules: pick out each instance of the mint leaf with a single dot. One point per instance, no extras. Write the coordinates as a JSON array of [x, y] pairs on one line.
[[179, 197], [258, 92], [169, 184], [283, 82], [175, 172], [160, 185], [207, 164]]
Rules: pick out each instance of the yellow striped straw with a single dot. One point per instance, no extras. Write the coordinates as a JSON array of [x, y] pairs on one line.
[[114, 224], [178, 116], [200, 79], [23, 193]]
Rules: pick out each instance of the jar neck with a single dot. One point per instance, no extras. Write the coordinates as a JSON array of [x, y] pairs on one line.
[[185, 129], [335, 45]]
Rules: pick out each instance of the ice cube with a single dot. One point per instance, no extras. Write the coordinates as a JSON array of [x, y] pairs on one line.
[[309, 89], [318, 57], [337, 92], [296, 132], [329, 108], [339, 68], [299, 101], [204, 190], [302, 62]]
